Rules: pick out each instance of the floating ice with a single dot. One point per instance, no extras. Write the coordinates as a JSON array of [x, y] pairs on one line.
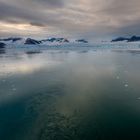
[[14, 89], [118, 77], [126, 85], [3, 80]]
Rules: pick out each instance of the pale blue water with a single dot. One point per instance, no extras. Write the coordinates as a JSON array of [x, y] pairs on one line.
[[80, 94]]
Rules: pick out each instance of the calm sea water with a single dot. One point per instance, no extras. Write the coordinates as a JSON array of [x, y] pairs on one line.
[[70, 95]]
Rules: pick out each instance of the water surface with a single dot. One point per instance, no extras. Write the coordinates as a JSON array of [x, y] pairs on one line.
[[70, 95]]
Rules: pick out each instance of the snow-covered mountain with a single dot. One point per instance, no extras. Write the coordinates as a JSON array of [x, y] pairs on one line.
[[29, 41], [12, 41], [55, 41]]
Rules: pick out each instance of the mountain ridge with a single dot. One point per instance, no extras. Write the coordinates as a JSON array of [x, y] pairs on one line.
[[31, 41], [130, 39]]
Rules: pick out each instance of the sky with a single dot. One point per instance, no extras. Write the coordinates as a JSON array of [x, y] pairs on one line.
[[88, 19]]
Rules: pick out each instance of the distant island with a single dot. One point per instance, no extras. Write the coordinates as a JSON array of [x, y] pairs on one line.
[[131, 39]]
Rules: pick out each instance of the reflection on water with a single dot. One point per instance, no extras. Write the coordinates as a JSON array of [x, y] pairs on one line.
[[70, 95], [2, 50]]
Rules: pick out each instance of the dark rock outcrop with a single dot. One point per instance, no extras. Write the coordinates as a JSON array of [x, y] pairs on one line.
[[51, 39], [2, 45], [30, 41], [59, 40], [120, 39], [81, 41], [16, 39], [132, 39], [11, 39]]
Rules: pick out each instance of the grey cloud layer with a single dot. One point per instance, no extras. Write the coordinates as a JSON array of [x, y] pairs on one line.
[[89, 18], [53, 3]]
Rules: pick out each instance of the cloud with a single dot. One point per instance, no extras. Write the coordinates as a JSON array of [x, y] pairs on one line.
[[52, 3], [87, 18]]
